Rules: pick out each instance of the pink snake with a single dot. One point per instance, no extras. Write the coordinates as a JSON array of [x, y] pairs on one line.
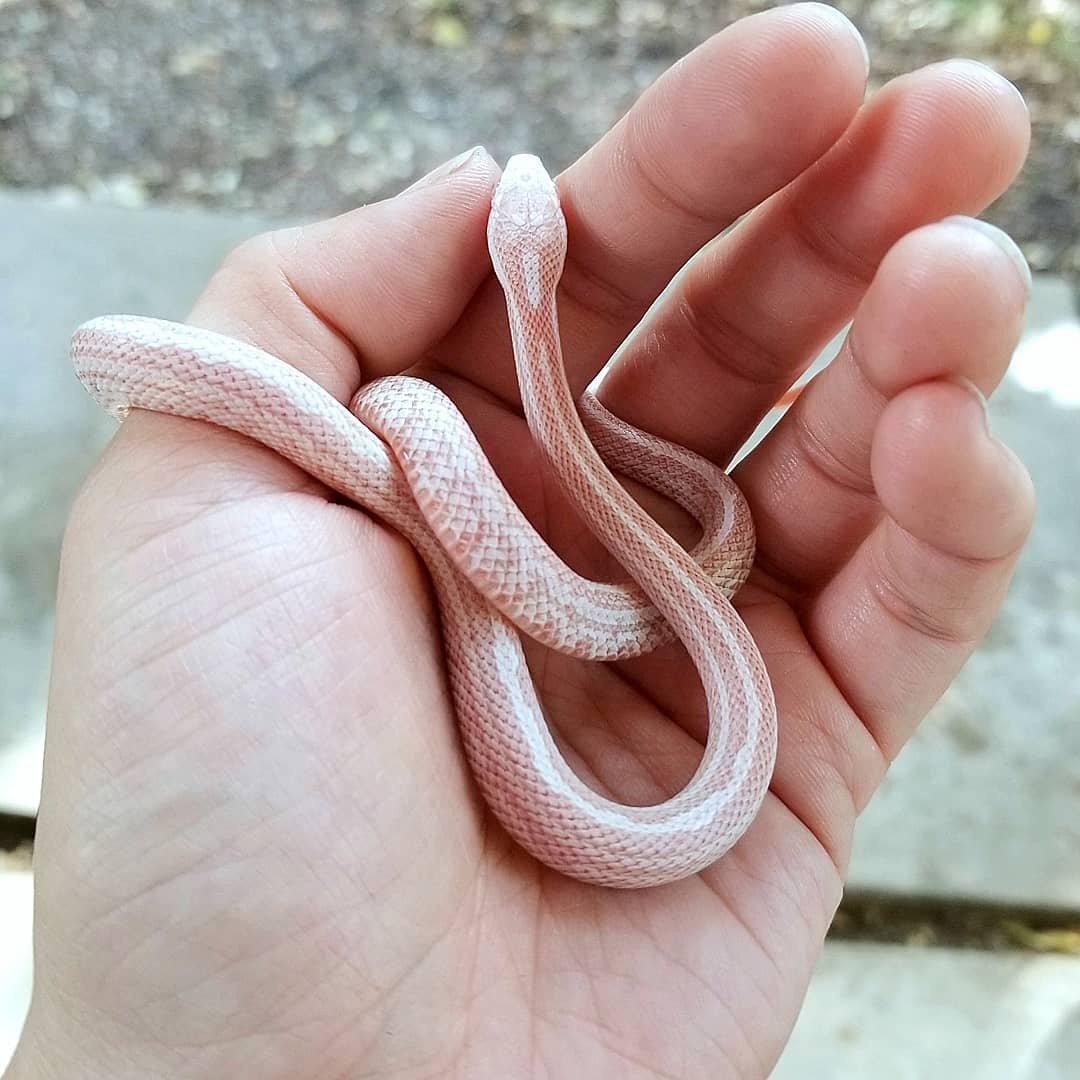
[[413, 462]]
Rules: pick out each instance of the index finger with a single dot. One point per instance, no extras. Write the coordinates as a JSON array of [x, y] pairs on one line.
[[723, 129]]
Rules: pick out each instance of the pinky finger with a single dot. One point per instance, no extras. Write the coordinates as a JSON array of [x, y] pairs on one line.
[[899, 620]]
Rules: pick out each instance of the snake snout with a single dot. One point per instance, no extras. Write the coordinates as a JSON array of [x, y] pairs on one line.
[[525, 205]]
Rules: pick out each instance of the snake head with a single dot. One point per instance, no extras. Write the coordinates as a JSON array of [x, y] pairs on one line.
[[526, 228]]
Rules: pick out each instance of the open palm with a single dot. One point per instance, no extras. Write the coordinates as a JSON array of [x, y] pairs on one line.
[[260, 852]]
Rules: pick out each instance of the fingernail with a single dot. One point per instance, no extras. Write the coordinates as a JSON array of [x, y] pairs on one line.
[[1003, 241], [447, 168]]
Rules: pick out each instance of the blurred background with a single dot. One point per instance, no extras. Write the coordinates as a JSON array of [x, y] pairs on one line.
[[141, 139], [309, 108]]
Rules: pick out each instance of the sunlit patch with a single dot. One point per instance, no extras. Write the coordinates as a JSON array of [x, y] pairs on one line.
[[1049, 363], [20, 770], [16, 908]]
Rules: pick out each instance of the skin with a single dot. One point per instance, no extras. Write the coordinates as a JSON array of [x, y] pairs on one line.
[[260, 852]]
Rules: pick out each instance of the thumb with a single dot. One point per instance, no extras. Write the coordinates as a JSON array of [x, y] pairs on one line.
[[343, 300], [366, 293]]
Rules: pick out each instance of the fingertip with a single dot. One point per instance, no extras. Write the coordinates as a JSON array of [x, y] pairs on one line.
[[380, 284], [947, 300], [1001, 240], [466, 177], [996, 112], [837, 23], [983, 78], [947, 138], [945, 479]]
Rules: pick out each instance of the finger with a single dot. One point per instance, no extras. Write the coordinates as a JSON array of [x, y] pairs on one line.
[[898, 621], [751, 313], [948, 301], [733, 122], [366, 293]]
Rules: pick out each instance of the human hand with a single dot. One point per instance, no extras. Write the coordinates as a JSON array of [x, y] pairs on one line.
[[259, 851]]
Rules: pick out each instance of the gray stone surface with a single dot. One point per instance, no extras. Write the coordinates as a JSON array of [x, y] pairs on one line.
[[879, 1012], [61, 264]]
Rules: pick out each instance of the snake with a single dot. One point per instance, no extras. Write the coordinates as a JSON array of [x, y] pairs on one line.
[[402, 451]]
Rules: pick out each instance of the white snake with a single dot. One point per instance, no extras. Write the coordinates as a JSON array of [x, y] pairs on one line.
[[424, 474]]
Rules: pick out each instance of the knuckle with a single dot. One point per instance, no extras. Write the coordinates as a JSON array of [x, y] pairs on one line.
[[922, 608], [727, 345]]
